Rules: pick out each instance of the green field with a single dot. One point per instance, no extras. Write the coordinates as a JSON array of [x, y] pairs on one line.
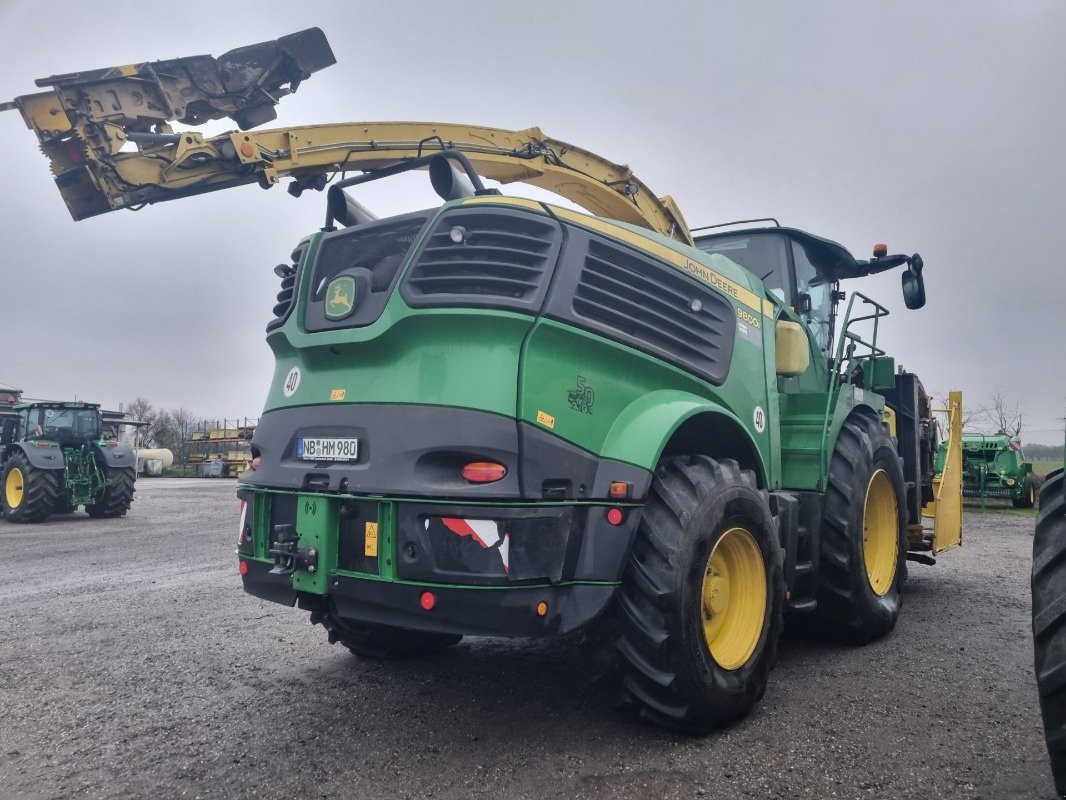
[[1044, 467]]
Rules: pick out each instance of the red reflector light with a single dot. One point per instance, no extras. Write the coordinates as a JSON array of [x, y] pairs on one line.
[[255, 462], [619, 490], [428, 600], [484, 471], [44, 444], [112, 443], [614, 516], [242, 567]]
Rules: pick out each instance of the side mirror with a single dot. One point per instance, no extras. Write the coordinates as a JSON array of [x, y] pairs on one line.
[[913, 289], [803, 303]]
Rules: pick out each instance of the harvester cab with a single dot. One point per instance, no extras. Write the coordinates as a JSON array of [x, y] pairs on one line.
[[802, 275], [802, 272], [54, 458]]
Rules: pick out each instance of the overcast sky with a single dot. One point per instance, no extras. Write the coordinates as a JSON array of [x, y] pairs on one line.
[[937, 130]]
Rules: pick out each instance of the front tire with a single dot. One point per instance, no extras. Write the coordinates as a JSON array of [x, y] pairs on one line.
[[118, 496], [1049, 621], [29, 494], [863, 544], [698, 615]]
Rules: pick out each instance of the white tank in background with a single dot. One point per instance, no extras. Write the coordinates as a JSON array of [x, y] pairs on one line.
[[152, 461]]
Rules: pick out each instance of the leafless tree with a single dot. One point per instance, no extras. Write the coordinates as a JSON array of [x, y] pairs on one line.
[[141, 409], [1004, 414], [973, 414], [175, 428]]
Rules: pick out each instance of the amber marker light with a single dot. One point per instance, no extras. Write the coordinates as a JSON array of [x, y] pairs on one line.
[[619, 490], [484, 471], [880, 250], [542, 609]]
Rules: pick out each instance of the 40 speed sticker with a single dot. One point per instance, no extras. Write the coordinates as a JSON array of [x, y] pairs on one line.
[[292, 382], [759, 418]]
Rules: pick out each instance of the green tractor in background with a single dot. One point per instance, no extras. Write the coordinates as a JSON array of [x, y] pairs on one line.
[[995, 467], [54, 458]]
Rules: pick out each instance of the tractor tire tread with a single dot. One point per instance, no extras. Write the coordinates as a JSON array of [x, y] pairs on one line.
[[840, 614], [646, 661], [118, 496], [1049, 614], [40, 492], [1030, 487]]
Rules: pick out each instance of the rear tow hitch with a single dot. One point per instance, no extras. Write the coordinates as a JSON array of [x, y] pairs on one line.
[[288, 557]]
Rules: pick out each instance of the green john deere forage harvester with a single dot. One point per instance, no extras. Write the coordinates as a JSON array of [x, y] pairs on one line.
[[506, 418], [54, 459], [995, 467], [502, 417]]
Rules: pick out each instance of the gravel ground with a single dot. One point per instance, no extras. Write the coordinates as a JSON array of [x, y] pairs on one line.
[[132, 665]]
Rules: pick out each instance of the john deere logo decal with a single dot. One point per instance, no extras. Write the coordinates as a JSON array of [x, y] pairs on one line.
[[340, 297]]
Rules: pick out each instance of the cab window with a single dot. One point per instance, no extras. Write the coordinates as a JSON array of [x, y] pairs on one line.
[[812, 282], [763, 254]]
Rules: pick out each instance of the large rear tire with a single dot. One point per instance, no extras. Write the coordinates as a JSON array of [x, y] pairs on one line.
[[384, 642], [118, 496], [1049, 620], [863, 542], [29, 494], [695, 625]]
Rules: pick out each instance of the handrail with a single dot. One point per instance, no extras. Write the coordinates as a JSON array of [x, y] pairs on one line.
[[853, 341]]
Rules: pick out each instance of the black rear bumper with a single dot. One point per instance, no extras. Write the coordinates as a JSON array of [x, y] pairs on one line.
[[491, 569], [418, 451], [478, 611]]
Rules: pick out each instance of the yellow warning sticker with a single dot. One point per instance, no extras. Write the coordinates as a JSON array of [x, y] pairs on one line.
[[337, 394], [545, 419], [370, 540]]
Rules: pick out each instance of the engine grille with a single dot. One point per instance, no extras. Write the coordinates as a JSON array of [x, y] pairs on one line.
[[654, 308], [502, 260], [373, 255]]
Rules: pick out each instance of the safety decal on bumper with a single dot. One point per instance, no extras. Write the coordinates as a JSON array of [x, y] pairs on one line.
[[485, 532]]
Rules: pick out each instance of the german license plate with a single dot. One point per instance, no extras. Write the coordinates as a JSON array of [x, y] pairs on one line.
[[327, 449]]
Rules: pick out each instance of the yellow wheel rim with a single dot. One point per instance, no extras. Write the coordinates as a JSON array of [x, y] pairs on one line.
[[880, 533], [734, 598], [13, 488]]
